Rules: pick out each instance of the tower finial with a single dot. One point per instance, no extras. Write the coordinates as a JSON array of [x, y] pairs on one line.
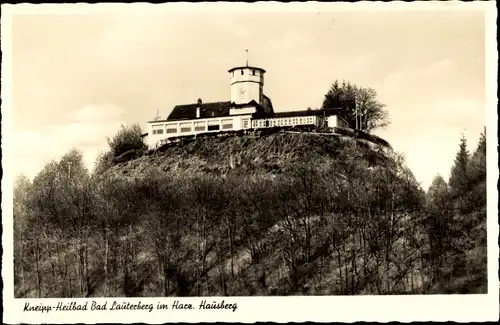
[[247, 57]]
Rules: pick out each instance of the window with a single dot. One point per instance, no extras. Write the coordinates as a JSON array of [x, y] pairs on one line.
[[241, 72], [253, 72], [185, 127], [158, 129], [213, 125], [232, 73], [171, 128], [199, 126], [227, 124], [245, 124]]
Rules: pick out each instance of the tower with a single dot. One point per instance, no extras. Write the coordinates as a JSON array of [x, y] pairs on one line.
[[247, 84]]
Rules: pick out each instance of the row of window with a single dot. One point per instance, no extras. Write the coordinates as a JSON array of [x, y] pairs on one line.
[[227, 124], [283, 121], [254, 72], [198, 127]]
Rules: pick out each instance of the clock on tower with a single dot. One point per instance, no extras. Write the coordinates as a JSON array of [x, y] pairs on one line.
[[242, 91]]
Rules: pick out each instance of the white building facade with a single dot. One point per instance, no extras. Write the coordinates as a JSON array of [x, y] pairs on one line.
[[248, 108]]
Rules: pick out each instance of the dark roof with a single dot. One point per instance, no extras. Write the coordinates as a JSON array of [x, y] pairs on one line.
[[207, 110], [188, 112], [246, 67]]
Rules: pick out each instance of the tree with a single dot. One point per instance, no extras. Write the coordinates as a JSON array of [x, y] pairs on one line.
[[459, 180], [127, 139], [478, 159], [22, 187], [370, 112], [61, 206], [439, 224], [103, 162]]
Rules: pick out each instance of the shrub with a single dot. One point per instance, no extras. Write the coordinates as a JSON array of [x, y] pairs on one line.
[[126, 139], [103, 162]]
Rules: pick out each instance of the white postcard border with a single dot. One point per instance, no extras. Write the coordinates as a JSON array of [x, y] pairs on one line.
[[461, 308]]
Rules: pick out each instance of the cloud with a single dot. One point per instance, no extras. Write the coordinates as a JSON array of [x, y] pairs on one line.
[[407, 79], [96, 114], [86, 129], [446, 114], [429, 134]]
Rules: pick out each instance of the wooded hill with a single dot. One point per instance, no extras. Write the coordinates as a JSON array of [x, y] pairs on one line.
[[273, 214]]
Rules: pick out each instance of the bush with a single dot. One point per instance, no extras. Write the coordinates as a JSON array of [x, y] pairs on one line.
[[126, 139], [103, 162]]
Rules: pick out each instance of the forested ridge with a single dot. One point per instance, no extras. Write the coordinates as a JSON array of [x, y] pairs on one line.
[[277, 214]]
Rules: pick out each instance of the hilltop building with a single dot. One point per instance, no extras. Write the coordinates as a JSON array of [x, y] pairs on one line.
[[247, 108]]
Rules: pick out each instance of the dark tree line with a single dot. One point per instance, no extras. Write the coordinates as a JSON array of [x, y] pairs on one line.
[[456, 220], [361, 108], [323, 225]]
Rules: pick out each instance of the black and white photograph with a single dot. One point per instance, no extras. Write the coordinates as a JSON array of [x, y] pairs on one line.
[[202, 158]]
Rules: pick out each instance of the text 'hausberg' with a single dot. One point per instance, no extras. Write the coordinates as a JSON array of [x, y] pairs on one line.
[[204, 305]]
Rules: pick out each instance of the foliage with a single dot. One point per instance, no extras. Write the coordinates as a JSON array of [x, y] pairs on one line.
[[126, 139], [329, 217], [456, 220], [371, 113], [459, 172], [103, 162]]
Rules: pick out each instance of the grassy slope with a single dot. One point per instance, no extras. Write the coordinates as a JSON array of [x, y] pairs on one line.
[[247, 154], [268, 154]]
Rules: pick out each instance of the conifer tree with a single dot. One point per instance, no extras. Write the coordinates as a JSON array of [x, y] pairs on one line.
[[478, 160], [477, 175], [459, 172]]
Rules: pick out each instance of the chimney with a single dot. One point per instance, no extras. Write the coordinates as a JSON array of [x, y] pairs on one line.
[[198, 108]]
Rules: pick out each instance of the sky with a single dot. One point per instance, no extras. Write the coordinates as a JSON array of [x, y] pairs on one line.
[[77, 77]]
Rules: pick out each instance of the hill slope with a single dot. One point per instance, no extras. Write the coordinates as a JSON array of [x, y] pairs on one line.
[[281, 207], [273, 153], [277, 214]]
